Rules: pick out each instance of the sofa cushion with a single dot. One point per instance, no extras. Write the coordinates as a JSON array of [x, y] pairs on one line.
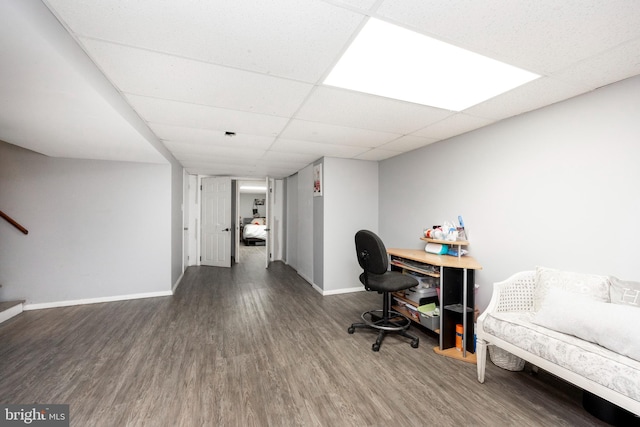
[[606, 324], [612, 370], [624, 292], [590, 285]]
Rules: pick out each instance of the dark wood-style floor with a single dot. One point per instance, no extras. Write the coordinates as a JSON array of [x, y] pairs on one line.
[[247, 346]]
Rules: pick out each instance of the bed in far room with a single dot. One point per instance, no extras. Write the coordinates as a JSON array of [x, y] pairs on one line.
[[254, 230]]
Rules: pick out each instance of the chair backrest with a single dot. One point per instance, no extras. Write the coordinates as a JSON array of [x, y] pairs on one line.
[[372, 255]]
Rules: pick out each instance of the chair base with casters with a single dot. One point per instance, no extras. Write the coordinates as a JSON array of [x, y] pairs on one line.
[[385, 321]]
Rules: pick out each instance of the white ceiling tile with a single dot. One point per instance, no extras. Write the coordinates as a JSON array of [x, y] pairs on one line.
[[364, 5], [205, 117], [407, 143], [48, 106], [453, 125], [614, 65], [331, 134], [539, 93], [541, 36], [378, 154], [213, 152], [207, 137], [151, 74], [209, 167], [316, 148], [262, 169], [193, 70], [289, 38], [281, 158], [354, 109]]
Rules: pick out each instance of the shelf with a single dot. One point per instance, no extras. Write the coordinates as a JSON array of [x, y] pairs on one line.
[[446, 242], [406, 312], [417, 269], [457, 308], [456, 354], [404, 299], [465, 262], [415, 317]]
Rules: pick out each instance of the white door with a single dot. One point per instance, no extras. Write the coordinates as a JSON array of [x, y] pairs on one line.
[[238, 220], [270, 221], [216, 222], [185, 220]]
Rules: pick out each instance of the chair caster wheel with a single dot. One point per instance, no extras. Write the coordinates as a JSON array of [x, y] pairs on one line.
[[375, 346], [415, 343], [351, 329]]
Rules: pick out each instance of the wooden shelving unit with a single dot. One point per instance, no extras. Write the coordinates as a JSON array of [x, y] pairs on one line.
[[456, 284]]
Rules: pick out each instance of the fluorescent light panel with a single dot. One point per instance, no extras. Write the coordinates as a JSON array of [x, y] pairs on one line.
[[253, 188], [394, 62]]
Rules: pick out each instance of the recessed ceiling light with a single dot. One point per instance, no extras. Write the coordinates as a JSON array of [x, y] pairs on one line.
[[394, 62]]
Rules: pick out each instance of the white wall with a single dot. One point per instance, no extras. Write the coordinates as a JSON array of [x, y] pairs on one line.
[[291, 250], [97, 229], [175, 208], [555, 187], [304, 234], [278, 233], [68, 49], [350, 194], [245, 209]]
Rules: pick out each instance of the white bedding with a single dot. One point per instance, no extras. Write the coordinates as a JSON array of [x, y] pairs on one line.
[[254, 231]]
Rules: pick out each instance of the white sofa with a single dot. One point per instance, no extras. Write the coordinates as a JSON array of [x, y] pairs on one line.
[[581, 328]]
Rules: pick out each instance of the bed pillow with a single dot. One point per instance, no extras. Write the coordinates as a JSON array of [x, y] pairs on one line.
[[257, 221], [590, 285], [624, 292], [608, 325]]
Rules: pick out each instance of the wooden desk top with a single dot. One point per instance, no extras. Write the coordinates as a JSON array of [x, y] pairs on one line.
[[440, 260]]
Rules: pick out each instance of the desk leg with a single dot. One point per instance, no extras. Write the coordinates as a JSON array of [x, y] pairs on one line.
[[440, 302], [464, 313]]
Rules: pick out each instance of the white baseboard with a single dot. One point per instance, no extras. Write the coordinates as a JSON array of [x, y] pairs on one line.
[[175, 285], [10, 312], [343, 291], [40, 306]]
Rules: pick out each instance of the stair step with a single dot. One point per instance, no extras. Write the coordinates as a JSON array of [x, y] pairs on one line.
[[8, 309]]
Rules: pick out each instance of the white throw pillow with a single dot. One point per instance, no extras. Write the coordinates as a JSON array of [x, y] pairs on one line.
[[605, 324], [590, 285], [625, 292]]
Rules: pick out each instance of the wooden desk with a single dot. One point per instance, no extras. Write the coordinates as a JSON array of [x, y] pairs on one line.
[[456, 294]]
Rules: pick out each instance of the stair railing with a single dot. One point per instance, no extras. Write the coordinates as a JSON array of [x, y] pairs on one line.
[[13, 222]]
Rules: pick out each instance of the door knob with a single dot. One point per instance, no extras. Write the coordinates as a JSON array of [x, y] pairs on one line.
[[226, 229]]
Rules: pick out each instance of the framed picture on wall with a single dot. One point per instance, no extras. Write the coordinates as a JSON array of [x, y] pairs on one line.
[[317, 180]]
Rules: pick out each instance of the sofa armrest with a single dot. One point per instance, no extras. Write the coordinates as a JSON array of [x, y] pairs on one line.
[[514, 294]]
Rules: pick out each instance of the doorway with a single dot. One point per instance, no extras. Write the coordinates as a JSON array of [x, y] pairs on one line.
[[252, 215], [272, 191]]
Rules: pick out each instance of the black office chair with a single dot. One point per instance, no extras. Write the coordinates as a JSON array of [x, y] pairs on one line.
[[373, 258]]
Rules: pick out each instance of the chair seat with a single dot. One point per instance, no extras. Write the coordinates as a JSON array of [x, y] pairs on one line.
[[391, 281]]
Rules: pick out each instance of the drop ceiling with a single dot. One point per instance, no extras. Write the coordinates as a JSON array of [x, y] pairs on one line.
[[147, 79]]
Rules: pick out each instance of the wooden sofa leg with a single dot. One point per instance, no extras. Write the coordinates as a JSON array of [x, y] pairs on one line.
[[481, 356]]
